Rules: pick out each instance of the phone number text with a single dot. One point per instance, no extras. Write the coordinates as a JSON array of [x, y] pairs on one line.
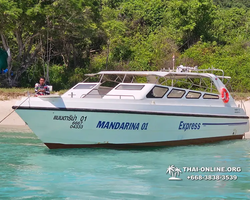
[[212, 177]]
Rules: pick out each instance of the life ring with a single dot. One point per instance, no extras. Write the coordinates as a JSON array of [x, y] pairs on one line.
[[224, 95]]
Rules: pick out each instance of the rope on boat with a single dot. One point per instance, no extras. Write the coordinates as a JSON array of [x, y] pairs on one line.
[[14, 110]]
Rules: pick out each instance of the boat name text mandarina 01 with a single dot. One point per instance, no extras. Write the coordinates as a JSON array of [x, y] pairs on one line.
[[188, 126], [121, 125]]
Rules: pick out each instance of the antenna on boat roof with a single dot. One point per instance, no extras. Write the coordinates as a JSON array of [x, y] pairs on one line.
[[173, 61]]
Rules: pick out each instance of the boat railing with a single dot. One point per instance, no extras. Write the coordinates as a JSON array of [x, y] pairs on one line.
[[108, 95], [103, 92], [242, 105], [210, 70], [182, 68]]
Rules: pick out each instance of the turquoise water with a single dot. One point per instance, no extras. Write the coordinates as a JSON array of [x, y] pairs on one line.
[[28, 170]]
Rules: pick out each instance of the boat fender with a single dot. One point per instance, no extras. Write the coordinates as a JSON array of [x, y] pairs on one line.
[[224, 95]]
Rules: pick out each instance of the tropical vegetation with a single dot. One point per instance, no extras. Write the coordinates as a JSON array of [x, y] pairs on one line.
[[64, 39]]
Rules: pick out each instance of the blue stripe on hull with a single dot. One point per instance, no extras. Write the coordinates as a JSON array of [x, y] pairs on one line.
[[224, 124]]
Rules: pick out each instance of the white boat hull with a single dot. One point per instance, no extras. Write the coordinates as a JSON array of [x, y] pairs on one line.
[[122, 129]]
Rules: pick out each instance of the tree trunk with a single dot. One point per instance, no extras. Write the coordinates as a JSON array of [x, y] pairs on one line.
[[107, 59], [20, 44], [4, 41]]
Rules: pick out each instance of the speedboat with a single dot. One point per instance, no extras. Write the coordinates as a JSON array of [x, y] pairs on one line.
[[131, 109]]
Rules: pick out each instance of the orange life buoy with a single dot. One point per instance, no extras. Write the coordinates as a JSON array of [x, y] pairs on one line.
[[224, 95]]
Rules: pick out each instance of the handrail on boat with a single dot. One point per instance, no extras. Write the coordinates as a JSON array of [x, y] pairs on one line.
[[100, 93], [210, 69], [242, 105], [214, 69], [106, 95]]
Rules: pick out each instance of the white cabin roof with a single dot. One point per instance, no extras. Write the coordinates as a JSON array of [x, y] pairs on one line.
[[177, 75]]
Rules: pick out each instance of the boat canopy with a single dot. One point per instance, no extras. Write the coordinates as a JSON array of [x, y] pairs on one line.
[[183, 77], [175, 75]]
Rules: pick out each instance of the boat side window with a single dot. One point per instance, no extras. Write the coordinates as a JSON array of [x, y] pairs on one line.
[[157, 92], [193, 95], [175, 93], [129, 87], [210, 96], [84, 86]]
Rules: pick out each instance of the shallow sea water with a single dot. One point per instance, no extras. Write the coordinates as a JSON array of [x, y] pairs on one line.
[[29, 170]]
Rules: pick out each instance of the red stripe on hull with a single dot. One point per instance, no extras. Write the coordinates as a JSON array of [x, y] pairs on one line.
[[148, 144]]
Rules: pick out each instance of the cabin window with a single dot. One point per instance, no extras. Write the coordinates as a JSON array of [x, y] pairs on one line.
[[175, 93], [210, 96], [129, 87], [157, 92], [193, 95], [109, 84], [84, 86]]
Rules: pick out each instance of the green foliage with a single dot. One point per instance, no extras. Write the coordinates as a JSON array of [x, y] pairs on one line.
[[31, 76], [98, 63], [233, 3], [77, 76], [65, 39], [230, 25], [233, 59], [59, 77], [192, 19], [143, 14]]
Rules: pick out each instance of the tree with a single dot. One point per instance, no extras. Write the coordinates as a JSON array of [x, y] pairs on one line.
[[192, 19], [233, 3], [230, 24], [21, 28], [58, 31]]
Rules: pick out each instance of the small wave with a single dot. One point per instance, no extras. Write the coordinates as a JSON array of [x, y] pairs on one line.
[[31, 144], [18, 137], [135, 167], [143, 171], [24, 144]]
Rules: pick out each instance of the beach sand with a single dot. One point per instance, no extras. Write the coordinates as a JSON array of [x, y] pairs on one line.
[[247, 107], [14, 123]]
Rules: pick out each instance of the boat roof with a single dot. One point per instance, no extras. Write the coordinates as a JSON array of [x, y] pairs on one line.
[[158, 73]]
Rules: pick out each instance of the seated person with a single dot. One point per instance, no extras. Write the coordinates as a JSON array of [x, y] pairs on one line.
[[41, 88]]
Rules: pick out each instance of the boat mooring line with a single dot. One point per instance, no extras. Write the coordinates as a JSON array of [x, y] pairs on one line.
[[13, 110]]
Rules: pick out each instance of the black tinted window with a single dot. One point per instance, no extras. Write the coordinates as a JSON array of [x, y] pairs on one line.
[[210, 96], [193, 95], [175, 93], [157, 92]]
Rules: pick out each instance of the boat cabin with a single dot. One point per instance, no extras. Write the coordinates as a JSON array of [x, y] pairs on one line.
[[135, 91], [149, 85]]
